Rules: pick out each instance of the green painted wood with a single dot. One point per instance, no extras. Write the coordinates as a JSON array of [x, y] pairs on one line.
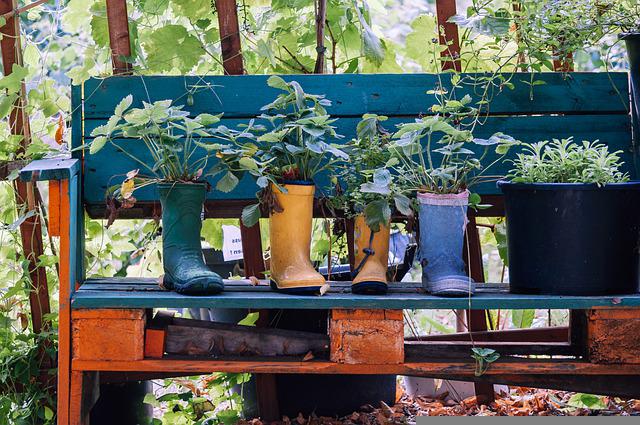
[[402, 297], [613, 130], [354, 94], [50, 169]]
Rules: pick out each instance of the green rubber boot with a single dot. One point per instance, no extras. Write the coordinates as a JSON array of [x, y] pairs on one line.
[[184, 267]]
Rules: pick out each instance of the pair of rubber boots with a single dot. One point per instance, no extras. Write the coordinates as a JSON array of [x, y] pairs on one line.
[[290, 232], [290, 235]]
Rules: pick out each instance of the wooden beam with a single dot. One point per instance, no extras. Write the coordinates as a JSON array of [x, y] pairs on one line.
[[26, 197], [418, 350], [118, 22], [448, 35], [230, 36], [440, 368], [553, 334]]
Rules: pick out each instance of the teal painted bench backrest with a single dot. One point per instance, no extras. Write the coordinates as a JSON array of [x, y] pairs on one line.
[[587, 106]]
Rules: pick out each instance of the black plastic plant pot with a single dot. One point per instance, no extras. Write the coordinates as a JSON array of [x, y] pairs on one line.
[[632, 42], [573, 239]]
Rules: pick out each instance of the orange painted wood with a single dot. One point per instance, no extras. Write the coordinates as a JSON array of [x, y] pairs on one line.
[[64, 309], [108, 313], [448, 35], [154, 343], [54, 208], [76, 413], [366, 336], [613, 335], [101, 336], [195, 367], [350, 314]]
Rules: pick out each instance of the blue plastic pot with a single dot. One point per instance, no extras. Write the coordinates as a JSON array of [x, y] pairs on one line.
[[443, 219]]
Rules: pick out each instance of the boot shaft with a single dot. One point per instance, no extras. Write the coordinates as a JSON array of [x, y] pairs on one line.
[[290, 230], [181, 213], [379, 243], [443, 219]]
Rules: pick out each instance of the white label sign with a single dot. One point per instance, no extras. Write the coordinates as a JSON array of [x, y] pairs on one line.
[[232, 243]]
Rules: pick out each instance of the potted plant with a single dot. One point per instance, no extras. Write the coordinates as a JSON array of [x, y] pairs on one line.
[[369, 196], [171, 138], [285, 163], [573, 221], [434, 161]]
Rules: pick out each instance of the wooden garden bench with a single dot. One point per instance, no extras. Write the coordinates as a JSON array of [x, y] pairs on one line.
[[107, 330]]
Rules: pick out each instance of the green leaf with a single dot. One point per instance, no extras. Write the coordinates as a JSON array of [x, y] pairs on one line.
[[377, 213], [587, 401], [250, 319], [192, 9], [403, 204], [248, 163], [123, 105], [227, 183], [208, 119], [13, 81], [6, 103], [172, 47], [97, 144], [48, 413], [278, 83], [523, 319], [150, 398], [251, 215]]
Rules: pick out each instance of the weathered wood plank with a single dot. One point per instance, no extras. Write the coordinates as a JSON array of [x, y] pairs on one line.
[[612, 335], [355, 94], [416, 351], [50, 169], [266, 299], [116, 334], [442, 368], [366, 336], [200, 338]]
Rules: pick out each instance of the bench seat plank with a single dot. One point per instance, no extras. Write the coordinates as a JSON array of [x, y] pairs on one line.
[[144, 293]]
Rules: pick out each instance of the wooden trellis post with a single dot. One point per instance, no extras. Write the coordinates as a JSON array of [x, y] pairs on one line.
[[26, 193]]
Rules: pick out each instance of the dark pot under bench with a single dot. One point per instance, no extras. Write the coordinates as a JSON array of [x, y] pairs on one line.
[[573, 239]]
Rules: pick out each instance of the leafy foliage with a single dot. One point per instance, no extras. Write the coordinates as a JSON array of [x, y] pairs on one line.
[[444, 163], [296, 148], [369, 186], [564, 161]]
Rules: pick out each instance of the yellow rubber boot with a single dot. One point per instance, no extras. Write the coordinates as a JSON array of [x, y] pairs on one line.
[[290, 235], [371, 277]]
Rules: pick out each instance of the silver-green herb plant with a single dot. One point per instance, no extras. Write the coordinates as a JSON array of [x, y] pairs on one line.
[[566, 161]]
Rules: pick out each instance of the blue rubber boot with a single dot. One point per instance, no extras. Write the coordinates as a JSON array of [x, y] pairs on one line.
[[443, 219], [184, 267]]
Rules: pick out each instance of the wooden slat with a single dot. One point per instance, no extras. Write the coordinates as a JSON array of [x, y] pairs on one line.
[[355, 94], [412, 298], [462, 349], [442, 368]]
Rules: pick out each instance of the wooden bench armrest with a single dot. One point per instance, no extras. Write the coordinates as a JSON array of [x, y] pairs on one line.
[[50, 169]]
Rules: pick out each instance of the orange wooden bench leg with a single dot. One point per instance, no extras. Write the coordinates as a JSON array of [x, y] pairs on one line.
[[613, 335], [366, 336], [84, 393]]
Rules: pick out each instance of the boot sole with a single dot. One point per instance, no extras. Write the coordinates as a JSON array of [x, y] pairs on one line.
[[302, 290], [194, 287], [369, 288]]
